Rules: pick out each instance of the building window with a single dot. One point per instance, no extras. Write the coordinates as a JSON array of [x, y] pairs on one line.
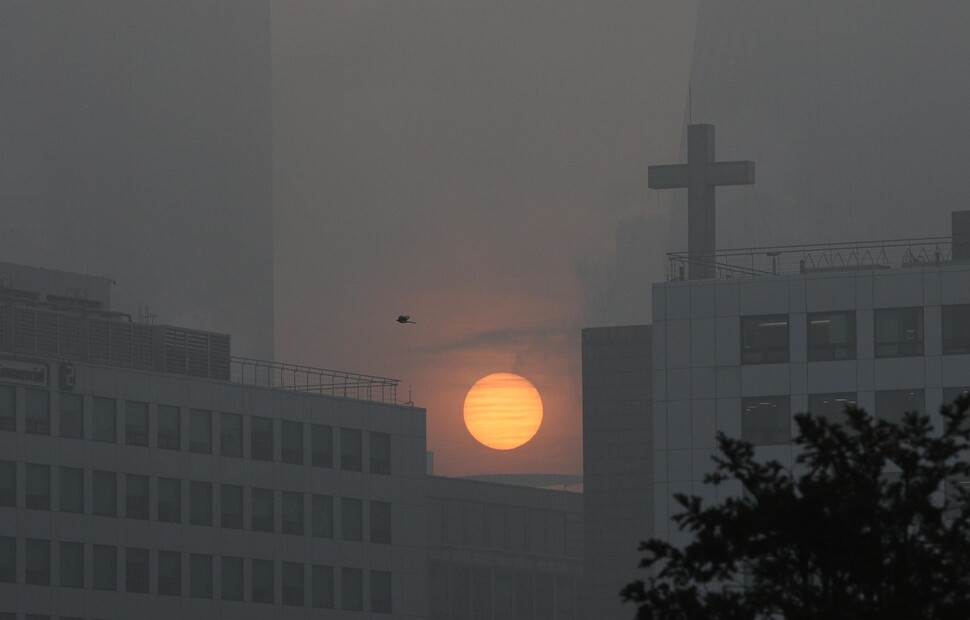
[[898, 332], [380, 592], [380, 522], [831, 336], [8, 408], [136, 496], [351, 449], [200, 431], [292, 512], [104, 420], [200, 575], [104, 493], [104, 564], [232, 579], [891, 405], [231, 501], [351, 589], [766, 420], [170, 573], [8, 484], [37, 487], [380, 453], [951, 394], [37, 562], [831, 406], [230, 434], [136, 423], [293, 584], [956, 329], [136, 570], [321, 440], [38, 411], [321, 519], [291, 440], [261, 438], [322, 577], [261, 509], [263, 588], [169, 436], [72, 565], [70, 415], [8, 559], [169, 500], [351, 518], [71, 490], [200, 503], [764, 339]]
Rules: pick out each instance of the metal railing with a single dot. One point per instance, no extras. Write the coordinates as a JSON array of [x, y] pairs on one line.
[[781, 260], [278, 375]]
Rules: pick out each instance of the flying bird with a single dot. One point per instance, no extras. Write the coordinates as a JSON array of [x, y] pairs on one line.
[[402, 319]]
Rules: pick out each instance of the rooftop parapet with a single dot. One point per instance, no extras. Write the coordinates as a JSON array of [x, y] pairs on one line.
[[278, 375]]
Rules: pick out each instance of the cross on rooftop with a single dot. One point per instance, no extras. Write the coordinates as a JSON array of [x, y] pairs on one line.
[[700, 175]]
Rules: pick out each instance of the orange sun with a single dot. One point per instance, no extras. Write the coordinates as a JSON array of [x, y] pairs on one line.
[[503, 411]]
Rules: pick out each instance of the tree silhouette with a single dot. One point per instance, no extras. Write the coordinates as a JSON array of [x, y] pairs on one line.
[[871, 522]]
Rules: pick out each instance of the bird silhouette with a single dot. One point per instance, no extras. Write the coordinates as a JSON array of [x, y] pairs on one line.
[[402, 319]]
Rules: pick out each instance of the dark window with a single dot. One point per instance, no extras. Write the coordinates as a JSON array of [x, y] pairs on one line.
[[523, 596], [261, 509], [831, 406], [898, 332], [72, 565], [263, 588], [380, 453], [8, 408], [351, 450], [136, 570], [230, 434], [293, 584], [380, 522], [951, 394], [351, 518], [169, 500], [37, 562], [136, 496], [70, 415], [37, 487], [231, 499], [8, 483], [321, 516], [380, 592], [764, 339], [892, 404], [200, 503], [104, 493], [104, 565], [351, 589], [169, 435], [232, 579], [291, 442], [104, 418], [261, 438], [136, 423], [170, 573], [322, 577], [200, 575], [200, 431], [71, 490], [38, 411], [292, 512], [831, 336], [766, 420], [321, 440], [956, 329], [8, 559]]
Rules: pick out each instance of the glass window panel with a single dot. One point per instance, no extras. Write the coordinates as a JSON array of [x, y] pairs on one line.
[[8, 559], [892, 404], [956, 329], [322, 577], [293, 584], [104, 564], [104, 418], [523, 596], [71, 565], [200, 431], [351, 451], [380, 522], [70, 415], [351, 589], [262, 510], [136, 496], [503, 588], [200, 575], [261, 438], [230, 434], [136, 423], [951, 394], [321, 440], [764, 339], [37, 487], [566, 600], [104, 493], [232, 579], [380, 453], [169, 500], [351, 518], [766, 420], [460, 592], [200, 503], [481, 593], [37, 562], [831, 406], [380, 591], [71, 489], [322, 516], [263, 588], [38, 411], [169, 427], [8, 408], [170, 573], [544, 597], [831, 336], [292, 512], [898, 332], [136, 570], [231, 499], [438, 586], [291, 442], [8, 483]]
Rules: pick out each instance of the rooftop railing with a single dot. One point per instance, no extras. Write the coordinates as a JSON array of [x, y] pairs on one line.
[[792, 259], [263, 373]]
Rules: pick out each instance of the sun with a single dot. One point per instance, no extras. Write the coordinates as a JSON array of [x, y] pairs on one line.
[[503, 411]]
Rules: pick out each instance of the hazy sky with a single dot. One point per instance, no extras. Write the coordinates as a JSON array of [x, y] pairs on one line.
[[468, 164]]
